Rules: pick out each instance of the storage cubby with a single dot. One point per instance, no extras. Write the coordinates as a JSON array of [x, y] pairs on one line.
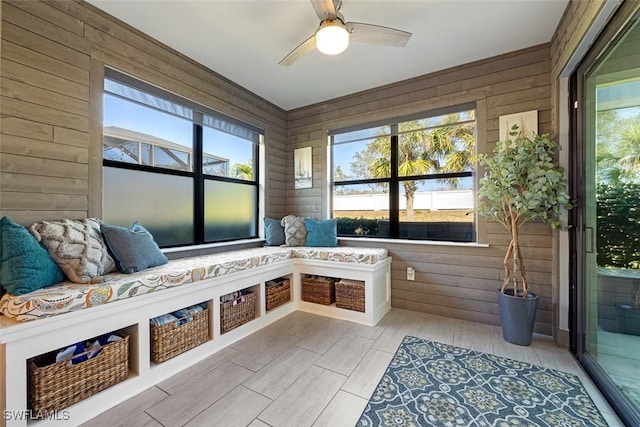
[[60, 378], [277, 292], [174, 333], [350, 295], [347, 294], [319, 289], [238, 308]]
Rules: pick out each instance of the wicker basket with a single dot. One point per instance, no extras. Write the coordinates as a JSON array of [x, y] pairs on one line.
[[171, 340], [237, 312], [278, 293], [58, 385], [350, 295], [320, 290]]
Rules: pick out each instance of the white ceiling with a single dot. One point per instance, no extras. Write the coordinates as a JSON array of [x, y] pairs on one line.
[[244, 40]]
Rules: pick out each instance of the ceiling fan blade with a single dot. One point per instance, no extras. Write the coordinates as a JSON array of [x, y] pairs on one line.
[[303, 48], [377, 34], [325, 9]]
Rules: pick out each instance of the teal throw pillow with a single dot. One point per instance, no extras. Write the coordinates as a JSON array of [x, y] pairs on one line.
[[133, 248], [321, 233], [25, 266], [273, 232]]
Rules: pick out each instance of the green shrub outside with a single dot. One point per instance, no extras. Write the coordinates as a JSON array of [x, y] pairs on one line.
[[618, 213], [357, 226]]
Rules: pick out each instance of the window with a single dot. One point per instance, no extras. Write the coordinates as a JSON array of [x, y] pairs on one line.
[[186, 172], [409, 179]]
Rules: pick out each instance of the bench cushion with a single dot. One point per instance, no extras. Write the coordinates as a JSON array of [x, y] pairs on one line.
[[341, 254], [67, 296]]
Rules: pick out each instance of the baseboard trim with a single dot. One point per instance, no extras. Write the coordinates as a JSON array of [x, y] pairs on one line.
[[562, 338]]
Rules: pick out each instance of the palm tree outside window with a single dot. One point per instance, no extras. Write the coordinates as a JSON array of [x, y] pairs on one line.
[[409, 179]]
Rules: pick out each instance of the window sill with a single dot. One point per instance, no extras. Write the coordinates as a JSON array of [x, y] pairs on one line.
[[210, 245], [414, 242]]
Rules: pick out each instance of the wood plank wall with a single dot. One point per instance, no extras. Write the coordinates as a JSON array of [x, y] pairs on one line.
[[574, 24], [450, 280], [53, 59], [578, 17]]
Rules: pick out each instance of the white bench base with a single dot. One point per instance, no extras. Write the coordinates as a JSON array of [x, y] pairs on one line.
[[20, 341]]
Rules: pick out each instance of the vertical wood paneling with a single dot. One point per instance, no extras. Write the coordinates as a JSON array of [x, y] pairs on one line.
[[53, 59], [450, 280]]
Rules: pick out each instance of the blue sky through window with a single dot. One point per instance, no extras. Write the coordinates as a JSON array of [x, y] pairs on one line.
[[132, 116]]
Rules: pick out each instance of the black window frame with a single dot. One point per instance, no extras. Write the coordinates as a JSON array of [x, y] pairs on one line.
[[394, 179], [197, 174]]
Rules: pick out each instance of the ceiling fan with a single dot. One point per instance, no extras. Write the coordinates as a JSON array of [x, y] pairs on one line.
[[333, 33]]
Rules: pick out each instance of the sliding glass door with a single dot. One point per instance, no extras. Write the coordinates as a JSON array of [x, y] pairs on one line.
[[607, 168]]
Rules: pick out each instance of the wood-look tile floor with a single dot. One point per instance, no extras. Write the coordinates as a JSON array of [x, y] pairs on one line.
[[309, 370]]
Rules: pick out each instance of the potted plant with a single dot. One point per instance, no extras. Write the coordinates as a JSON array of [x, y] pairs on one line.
[[522, 182]]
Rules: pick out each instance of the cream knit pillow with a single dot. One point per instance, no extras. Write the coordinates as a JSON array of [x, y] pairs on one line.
[[77, 247]]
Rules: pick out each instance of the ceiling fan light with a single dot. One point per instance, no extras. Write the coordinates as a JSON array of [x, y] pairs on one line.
[[332, 37]]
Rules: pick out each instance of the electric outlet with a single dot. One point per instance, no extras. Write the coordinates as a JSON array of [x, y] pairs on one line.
[[411, 273]]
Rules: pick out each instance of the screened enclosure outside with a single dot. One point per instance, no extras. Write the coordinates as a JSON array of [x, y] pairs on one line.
[[140, 142], [227, 153], [412, 179]]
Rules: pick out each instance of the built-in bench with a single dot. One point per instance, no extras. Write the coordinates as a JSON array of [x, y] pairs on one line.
[[55, 317]]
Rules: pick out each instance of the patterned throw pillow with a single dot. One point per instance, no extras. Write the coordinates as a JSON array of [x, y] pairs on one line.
[[295, 233], [77, 247]]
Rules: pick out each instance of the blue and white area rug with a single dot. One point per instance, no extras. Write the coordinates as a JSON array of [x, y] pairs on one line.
[[433, 384]]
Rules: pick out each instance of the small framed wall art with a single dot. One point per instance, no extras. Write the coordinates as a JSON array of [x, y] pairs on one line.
[[303, 167], [527, 121]]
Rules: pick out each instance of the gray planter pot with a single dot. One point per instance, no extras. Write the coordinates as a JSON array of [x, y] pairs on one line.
[[518, 316]]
